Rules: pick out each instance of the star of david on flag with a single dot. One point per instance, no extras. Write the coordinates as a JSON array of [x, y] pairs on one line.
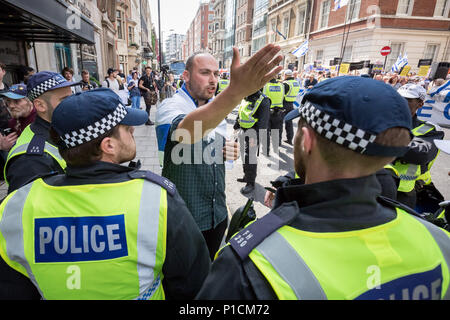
[[302, 50]]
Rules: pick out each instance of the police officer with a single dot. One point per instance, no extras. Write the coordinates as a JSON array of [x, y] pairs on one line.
[[34, 153], [253, 116], [414, 167], [274, 90], [222, 83], [333, 237], [102, 230], [291, 89]]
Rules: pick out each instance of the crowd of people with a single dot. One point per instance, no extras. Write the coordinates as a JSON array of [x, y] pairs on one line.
[[79, 224]]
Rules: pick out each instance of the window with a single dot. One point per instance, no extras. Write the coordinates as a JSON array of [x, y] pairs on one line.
[[405, 7], [286, 20], [442, 8], [431, 51], [130, 34], [353, 9], [119, 23], [319, 55], [397, 49], [324, 14], [347, 57], [301, 18], [274, 32]]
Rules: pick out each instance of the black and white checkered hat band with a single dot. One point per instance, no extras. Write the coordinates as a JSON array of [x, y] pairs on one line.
[[76, 138], [43, 87], [336, 130]]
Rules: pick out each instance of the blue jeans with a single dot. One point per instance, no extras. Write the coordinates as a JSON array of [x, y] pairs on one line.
[[136, 102]]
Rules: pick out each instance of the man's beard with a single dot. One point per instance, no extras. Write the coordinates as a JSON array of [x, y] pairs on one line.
[[197, 93]]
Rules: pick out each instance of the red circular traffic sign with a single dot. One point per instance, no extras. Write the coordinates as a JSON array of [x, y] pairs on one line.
[[385, 51]]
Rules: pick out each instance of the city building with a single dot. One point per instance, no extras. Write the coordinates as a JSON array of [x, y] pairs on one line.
[[259, 34], [218, 32], [418, 29], [230, 31], [174, 44]]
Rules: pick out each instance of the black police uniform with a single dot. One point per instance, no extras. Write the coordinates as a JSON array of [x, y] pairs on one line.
[[322, 207], [25, 168], [275, 123], [288, 107], [262, 114], [186, 249]]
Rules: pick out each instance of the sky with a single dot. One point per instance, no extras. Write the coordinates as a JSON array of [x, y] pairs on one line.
[[175, 14]]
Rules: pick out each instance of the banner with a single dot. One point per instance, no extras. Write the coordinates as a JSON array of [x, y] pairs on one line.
[[436, 108], [302, 50], [405, 70], [423, 71], [345, 68]]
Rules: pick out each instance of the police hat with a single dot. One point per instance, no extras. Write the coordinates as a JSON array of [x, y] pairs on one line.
[[85, 116], [352, 111], [44, 81], [16, 92]]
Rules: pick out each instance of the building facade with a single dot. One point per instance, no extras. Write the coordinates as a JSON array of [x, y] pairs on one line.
[[217, 40], [174, 47], [244, 28]]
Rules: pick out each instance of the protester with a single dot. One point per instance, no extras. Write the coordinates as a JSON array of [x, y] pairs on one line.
[[135, 93], [200, 133], [321, 238], [86, 83], [310, 82], [68, 73], [123, 92], [143, 243], [148, 89], [34, 154]]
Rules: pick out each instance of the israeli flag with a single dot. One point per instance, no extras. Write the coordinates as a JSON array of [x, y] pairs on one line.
[[400, 63], [302, 50], [339, 4]]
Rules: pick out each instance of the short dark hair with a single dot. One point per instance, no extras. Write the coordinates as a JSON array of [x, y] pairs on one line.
[[83, 155], [2, 65], [67, 69], [85, 72]]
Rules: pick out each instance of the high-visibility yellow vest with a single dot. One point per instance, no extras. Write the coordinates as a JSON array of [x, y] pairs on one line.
[[410, 173], [294, 89], [406, 258], [23, 144], [247, 109], [275, 92], [223, 83], [97, 241]]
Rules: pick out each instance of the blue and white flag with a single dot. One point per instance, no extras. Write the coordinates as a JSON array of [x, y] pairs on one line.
[[282, 35], [302, 50], [339, 4], [400, 63]]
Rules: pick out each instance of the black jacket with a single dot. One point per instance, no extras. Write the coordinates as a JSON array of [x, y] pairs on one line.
[[25, 168], [187, 259], [332, 206], [262, 114]]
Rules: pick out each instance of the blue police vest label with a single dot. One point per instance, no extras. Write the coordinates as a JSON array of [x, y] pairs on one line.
[[419, 286], [274, 88], [79, 239]]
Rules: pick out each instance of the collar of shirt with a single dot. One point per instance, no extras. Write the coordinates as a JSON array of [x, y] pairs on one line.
[[183, 87]]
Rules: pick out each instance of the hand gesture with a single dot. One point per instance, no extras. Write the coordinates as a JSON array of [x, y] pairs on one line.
[[6, 142]]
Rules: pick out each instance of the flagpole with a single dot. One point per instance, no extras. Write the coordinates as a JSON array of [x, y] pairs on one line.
[[348, 30]]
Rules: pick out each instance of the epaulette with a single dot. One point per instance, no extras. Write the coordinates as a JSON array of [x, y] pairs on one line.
[[395, 204], [36, 145], [153, 177], [249, 238]]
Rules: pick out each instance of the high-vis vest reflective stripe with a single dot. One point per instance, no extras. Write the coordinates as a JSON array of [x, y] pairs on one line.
[[391, 167], [373, 263], [294, 89], [103, 241], [410, 173], [223, 83], [21, 147], [275, 92], [246, 111]]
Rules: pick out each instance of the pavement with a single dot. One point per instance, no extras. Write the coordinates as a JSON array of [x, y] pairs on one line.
[[268, 168]]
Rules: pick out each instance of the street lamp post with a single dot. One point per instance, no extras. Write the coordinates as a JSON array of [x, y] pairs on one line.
[[159, 40]]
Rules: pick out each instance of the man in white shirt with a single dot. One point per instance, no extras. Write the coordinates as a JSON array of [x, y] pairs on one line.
[[111, 81]]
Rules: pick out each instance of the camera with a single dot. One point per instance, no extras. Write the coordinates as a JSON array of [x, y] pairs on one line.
[[6, 131]]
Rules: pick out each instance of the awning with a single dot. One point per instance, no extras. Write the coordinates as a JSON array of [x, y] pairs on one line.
[[43, 21]]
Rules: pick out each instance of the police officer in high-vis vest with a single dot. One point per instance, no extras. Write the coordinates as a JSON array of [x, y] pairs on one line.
[[291, 90], [34, 154], [101, 230], [222, 83], [274, 90], [333, 237], [414, 167], [253, 117]]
